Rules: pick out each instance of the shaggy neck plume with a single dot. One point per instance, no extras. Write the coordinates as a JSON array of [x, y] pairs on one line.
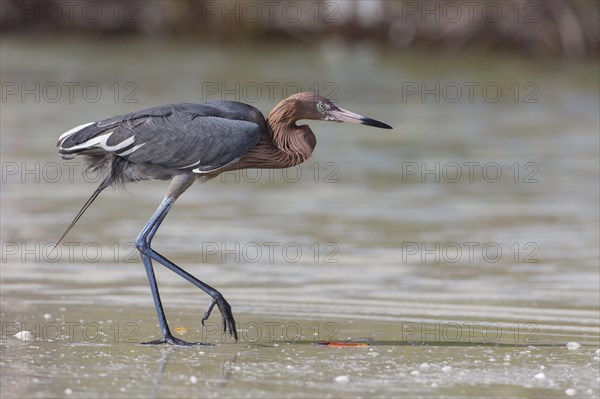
[[294, 144], [282, 145]]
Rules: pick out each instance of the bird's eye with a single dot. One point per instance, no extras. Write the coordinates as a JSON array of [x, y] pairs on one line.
[[320, 106]]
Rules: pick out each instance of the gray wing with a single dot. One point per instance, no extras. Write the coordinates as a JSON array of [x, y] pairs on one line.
[[196, 137]]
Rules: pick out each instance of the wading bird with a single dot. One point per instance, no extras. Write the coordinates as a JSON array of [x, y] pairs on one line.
[[185, 143]]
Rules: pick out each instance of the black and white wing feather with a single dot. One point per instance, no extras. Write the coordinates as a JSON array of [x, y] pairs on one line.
[[193, 137]]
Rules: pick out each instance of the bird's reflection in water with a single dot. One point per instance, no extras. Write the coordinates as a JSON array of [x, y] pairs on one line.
[[166, 354]]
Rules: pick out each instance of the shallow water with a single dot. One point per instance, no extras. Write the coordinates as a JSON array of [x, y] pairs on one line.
[[460, 284]]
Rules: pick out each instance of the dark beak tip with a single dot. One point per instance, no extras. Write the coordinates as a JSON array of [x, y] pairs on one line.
[[374, 123]]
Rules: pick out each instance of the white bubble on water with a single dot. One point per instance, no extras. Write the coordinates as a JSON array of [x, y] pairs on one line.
[[24, 336], [573, 346], [540, 376]]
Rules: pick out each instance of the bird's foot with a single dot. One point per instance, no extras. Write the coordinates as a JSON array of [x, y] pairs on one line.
[[171, 340], [226, 315]]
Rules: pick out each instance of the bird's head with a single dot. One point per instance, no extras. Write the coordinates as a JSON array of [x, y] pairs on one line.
[[311, 106]]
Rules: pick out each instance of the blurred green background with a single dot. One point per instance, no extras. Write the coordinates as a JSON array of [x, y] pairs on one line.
[[462, 245]]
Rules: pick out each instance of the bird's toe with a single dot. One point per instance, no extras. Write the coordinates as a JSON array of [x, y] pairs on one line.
[[171, 340]]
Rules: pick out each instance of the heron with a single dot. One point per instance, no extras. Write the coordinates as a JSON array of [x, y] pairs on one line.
[[190, 142]]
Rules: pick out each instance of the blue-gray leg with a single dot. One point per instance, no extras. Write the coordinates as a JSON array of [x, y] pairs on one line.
[[143, 244]]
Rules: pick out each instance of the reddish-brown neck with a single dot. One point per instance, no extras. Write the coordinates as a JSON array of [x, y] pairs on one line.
[[295, 143], [282, 145]]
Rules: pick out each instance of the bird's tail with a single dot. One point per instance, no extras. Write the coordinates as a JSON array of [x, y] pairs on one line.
[[105, 183]]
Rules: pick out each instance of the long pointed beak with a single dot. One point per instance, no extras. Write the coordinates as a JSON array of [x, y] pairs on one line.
[[343, 115]]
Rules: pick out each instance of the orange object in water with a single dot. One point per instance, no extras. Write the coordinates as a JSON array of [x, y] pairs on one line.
[[181, 330], [342, 343]]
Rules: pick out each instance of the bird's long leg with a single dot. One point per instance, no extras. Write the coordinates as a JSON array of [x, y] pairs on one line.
[[153, 224], [178, 186], [218, 299]]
